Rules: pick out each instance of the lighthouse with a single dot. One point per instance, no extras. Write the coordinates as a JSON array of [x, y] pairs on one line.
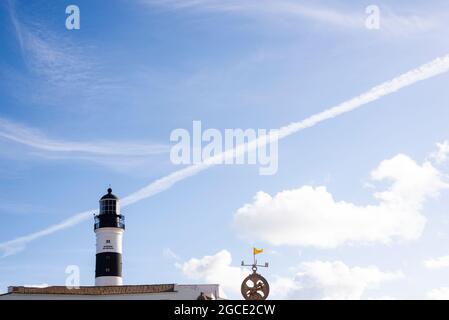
[[109, 228]]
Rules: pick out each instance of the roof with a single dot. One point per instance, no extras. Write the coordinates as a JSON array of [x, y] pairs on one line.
[[109, 195], [95, 290]]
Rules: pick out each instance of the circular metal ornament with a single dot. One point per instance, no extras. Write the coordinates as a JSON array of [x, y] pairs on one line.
[[255, 287]]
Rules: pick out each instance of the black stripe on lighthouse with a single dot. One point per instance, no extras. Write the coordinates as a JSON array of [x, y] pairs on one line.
[[108, 264]]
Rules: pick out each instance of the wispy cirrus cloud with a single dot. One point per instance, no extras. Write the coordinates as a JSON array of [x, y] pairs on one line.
[[35, 139], [59, 66], [62, 71], [122, 156], [325, 15]]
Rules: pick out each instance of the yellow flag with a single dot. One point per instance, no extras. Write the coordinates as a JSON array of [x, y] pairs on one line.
[[257, 251]]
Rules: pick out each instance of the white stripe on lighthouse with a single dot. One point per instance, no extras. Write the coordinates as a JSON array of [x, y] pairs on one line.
[[109, 281], [109, 240]]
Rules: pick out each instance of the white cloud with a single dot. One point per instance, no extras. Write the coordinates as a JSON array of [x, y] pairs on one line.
[[310, 216], [437, 263], [216, 269], [283, 287], [331, 280], [442, 154], [338, 281], [316, 280], [169, 253], [439, 293]]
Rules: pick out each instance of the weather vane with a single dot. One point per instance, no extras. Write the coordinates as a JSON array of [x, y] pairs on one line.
[[254, 286]]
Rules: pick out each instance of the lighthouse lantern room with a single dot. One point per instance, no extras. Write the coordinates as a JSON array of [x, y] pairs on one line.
[[109, 228]]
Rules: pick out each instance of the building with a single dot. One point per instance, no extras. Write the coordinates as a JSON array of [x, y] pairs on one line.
[[109, 229], [123, 292]]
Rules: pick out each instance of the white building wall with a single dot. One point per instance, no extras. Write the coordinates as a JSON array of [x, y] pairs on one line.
[[182, 292]]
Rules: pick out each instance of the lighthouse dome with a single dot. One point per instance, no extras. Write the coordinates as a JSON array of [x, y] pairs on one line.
[[109, 204], [109, 196], [109, 213]]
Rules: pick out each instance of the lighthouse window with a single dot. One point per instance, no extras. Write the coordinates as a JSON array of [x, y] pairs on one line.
[[109, 207], [108, 241], [108, 270]]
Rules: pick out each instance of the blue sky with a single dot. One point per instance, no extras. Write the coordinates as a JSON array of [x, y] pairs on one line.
[[84, 109]]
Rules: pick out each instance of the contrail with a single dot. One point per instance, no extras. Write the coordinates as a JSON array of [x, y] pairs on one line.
[[13, 246], [426, 71]]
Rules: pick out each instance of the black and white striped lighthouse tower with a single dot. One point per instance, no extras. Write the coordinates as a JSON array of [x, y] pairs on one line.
[[109, 228]]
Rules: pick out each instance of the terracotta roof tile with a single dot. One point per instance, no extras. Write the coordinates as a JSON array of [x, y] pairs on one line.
[[98, 290]]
